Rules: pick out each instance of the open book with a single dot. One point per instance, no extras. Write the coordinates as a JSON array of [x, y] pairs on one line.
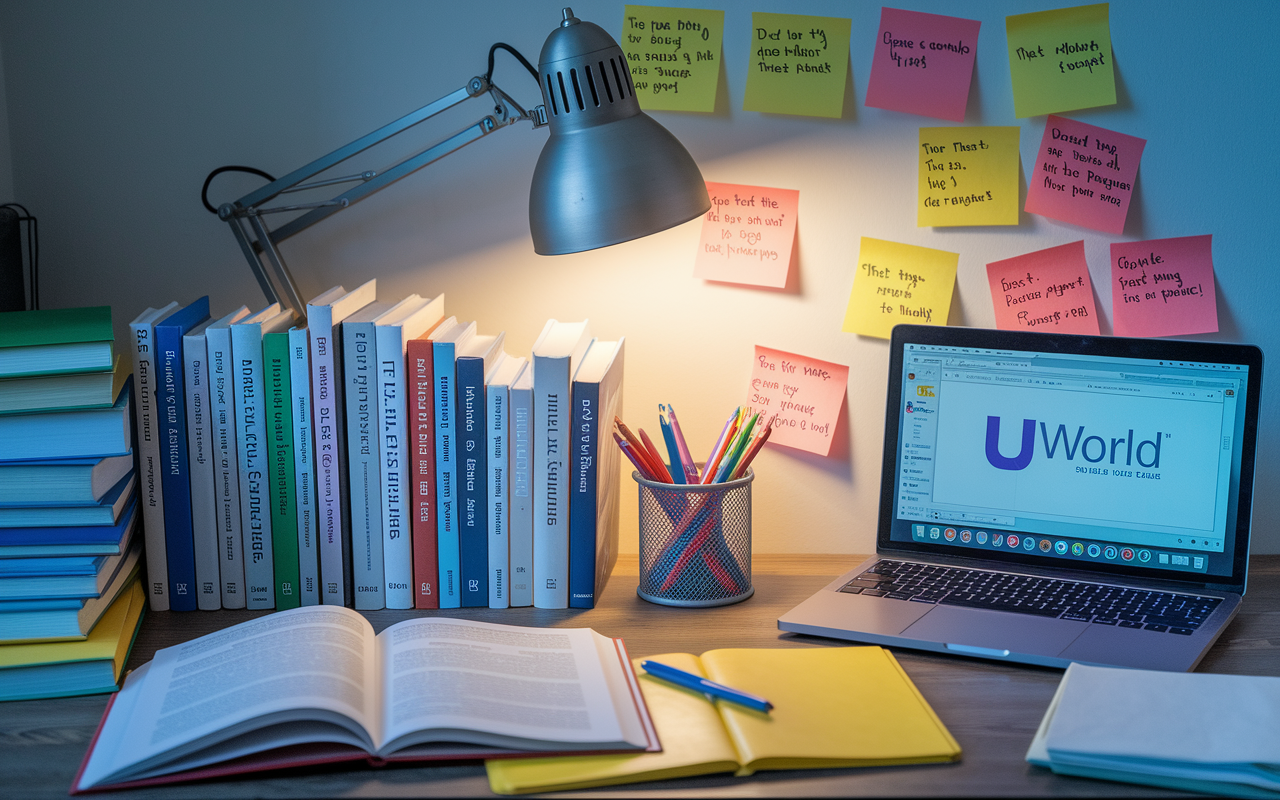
[[832, 707], [314, 684]]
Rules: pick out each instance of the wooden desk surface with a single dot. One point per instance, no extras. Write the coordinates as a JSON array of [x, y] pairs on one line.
[[992, 709]]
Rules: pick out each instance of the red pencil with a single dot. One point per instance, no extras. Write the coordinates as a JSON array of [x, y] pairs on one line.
[[656, 470], [628, 451], [662, 472]]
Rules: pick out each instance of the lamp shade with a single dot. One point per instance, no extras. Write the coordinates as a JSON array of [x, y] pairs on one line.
[[609, 172]]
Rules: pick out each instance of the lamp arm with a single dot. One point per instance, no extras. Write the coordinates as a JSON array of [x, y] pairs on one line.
[[259, 243]]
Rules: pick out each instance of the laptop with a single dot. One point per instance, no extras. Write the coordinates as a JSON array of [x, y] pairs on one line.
[[1050, 498]]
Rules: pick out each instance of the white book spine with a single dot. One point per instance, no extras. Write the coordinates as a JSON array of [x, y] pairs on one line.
[[520, 520], [551, 482], [360, 353], [304, 469], [328, 460], [144, 372], [226, 471], [200, 458], [251, 440], [397, 546], [499, 399]]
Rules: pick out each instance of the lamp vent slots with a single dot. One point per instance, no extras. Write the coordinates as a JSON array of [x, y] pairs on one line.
[[592, 85]]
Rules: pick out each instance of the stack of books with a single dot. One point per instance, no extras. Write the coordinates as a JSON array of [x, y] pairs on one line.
[[1188, 731], [374, 455], [70, 602]]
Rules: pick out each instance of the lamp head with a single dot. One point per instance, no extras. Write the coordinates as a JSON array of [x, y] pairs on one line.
[[608, 173]]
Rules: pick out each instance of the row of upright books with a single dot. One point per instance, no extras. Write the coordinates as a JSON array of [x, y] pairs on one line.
[[70, 595], [373, 455]]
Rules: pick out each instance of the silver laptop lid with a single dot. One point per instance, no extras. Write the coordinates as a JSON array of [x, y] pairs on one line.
[[1098, 454]]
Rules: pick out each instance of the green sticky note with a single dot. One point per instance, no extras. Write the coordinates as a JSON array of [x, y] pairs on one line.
[[1060, 60], [674, 55], [968, 176], [798, 64]]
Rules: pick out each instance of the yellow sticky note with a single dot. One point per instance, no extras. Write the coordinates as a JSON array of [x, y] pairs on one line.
[[968, 176], [674, 55], [798, 64], [1060, 60], [899, 283]]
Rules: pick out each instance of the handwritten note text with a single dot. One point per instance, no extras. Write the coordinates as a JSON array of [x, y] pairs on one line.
[[899, 283], [923, 63], [747, 235], [806, 394], [1084, 174], [674, 56], [1048, 290], [1060, 60], [968, 176], [1163, 287], [798, 65]]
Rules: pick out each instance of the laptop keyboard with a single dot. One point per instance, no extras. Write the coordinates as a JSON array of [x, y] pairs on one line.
[[1098, 603]]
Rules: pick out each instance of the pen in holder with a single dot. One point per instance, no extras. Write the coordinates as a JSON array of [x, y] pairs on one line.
[[695, 542]]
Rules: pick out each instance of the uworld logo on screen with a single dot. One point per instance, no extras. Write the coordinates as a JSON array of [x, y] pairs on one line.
[[1088, 445]]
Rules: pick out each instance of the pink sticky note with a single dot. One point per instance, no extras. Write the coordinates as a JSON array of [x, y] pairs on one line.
[[805, 393], [1048, 290], [923, 63], [747, 235], [1084, 174], [1163, 287]]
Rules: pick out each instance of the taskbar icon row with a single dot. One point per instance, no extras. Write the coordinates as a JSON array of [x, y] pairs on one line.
[[1069, 548]]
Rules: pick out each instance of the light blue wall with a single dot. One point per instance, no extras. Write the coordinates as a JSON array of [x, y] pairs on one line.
[[118, 110]]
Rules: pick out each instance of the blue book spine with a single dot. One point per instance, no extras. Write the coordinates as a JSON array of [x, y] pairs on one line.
[[584, 438], [473, 495], [175, 482], [77, 534], [450, 584]]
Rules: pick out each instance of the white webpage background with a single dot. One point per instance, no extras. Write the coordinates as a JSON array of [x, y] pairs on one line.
[[1182, 498]]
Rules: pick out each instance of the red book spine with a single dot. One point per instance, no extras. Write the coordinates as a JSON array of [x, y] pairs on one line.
[[426, 563]]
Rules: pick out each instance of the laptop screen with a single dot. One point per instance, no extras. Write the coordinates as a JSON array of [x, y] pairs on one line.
[[1106, 454]]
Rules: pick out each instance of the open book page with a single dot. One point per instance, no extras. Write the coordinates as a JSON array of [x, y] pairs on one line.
[[529, 688], [818, 696], [307, 674], [694, 742]]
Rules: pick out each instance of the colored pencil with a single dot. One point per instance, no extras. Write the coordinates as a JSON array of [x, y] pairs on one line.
[[661, 470], [686, 458], [641, 451], [673, 451], [631, 456], [713, 463], [754, 448], [729, 462]]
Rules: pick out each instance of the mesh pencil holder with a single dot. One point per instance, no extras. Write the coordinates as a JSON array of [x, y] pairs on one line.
[[695, 542]]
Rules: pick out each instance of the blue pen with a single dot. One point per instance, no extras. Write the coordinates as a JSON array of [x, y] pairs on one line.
[[710, 688]]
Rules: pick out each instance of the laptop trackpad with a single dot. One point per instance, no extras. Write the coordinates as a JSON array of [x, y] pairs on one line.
[[996, 630]]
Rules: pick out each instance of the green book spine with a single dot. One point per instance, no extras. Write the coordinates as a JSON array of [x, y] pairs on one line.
[[284, 508], [56, 326]]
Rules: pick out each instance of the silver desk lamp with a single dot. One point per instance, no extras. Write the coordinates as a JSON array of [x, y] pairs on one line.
[[608, 173]]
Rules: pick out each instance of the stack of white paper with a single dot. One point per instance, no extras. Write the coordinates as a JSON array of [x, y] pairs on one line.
[[1210, 733]]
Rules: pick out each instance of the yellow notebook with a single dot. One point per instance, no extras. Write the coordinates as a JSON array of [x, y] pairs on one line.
[[819, 697], [63, 669]]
